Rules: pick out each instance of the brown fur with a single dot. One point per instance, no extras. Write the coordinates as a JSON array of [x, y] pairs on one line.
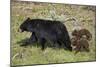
[[82, 32], [80, 44]]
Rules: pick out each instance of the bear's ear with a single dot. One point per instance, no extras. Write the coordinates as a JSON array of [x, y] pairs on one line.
[[28, 19]]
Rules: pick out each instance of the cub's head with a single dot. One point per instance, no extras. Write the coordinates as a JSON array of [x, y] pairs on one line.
[[75, 32]]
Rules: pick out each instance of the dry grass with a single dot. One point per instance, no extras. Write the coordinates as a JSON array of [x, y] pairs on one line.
[[85, 18]]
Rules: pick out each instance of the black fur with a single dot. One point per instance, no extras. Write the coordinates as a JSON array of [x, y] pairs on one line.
[[54, 32]]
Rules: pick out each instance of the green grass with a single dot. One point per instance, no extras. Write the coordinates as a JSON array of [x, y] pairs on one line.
[[33, 54]]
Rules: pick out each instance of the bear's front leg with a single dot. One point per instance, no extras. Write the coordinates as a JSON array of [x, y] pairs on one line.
[[33, 38], [42, 41]]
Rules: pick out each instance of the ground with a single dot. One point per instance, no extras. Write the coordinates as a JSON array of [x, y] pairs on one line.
[[84, 15]]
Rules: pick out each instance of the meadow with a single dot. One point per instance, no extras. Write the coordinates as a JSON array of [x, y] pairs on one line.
[[32, 54]]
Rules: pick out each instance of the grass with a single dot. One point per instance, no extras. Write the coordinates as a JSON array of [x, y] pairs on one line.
[[33, 54]]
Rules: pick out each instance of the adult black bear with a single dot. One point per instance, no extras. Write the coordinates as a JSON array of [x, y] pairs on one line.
[[47, 31]]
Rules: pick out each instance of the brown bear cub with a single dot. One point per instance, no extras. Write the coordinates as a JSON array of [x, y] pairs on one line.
[[80, 44], [81, 32], [80, 40]]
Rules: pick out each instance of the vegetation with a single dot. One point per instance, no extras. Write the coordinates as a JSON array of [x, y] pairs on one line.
[[83, 17]]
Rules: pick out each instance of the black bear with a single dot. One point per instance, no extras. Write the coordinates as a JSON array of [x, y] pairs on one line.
[[44, 31]]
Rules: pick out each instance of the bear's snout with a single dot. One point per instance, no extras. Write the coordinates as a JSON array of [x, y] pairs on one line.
[[20, 30]]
